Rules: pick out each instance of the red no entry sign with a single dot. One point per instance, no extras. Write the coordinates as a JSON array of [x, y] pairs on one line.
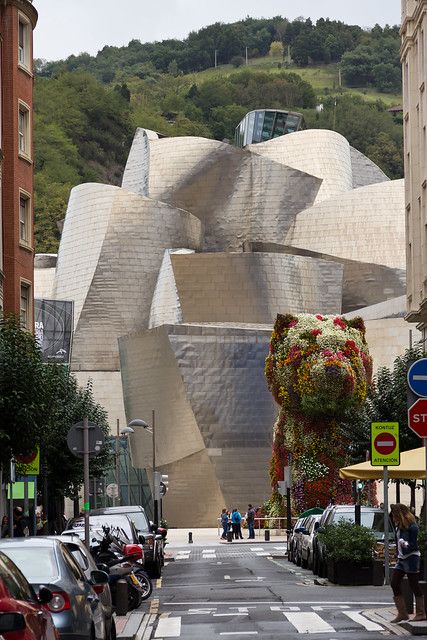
[[385, 443]]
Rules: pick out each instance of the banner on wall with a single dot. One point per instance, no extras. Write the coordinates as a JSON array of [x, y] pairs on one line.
[[54, 329]]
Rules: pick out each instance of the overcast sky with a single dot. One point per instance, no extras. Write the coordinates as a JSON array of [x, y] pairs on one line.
[[74, 26]]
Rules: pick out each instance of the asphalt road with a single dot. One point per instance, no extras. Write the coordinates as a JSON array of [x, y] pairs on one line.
[[221, 592]]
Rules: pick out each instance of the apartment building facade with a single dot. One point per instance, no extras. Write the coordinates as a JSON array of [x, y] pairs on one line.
[[414, 68], [18, 19]]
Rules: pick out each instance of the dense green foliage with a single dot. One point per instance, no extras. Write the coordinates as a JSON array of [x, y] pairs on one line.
[[348, 542], [87, 108], [323, 42], [38, 405]]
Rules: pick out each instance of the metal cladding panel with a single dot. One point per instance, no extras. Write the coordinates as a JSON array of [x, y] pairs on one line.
[[254, 287], [365, 224], [129, 236], [213, 413], [364, 170], [318, 152], [237, 195]]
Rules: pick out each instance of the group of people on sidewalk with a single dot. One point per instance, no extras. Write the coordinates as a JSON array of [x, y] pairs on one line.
[[234, 520]]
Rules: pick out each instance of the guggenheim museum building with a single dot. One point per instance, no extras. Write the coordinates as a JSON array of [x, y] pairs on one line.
[[177, 277]]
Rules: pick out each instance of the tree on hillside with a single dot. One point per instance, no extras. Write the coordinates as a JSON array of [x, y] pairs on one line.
[[276, 49]]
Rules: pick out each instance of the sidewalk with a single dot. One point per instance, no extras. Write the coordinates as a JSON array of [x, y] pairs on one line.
[[206, 536]]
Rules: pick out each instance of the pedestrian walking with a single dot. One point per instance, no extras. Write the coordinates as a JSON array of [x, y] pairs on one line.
[[224, 524], [4, 527], [408, 562], [20, 525], [236, 520], [250, 521]]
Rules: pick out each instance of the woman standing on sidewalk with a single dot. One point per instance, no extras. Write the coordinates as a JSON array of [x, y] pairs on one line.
[[408, 561]]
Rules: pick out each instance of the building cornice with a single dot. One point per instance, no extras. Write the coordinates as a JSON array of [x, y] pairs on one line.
[[26, 6]]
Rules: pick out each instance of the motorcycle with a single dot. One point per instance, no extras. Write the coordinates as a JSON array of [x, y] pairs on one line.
[[121, 561]]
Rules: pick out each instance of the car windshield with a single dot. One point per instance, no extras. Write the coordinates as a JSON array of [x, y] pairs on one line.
[[38, 564], [140, 520], [119, 525], [371, 519]]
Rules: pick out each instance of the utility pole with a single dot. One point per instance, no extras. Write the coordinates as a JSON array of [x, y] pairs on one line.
[[246, 55], [155, 501], [86, 479], [117, 463], [216, 58]]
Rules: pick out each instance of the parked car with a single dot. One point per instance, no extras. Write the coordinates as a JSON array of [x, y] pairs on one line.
[[75, 607], [20, 608], [306, 547], [371, 517], [154, 542], [294, 540], [120, 524], [87, 564]]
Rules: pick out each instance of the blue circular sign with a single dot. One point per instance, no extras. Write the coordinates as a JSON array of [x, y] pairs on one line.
[[417, 378]]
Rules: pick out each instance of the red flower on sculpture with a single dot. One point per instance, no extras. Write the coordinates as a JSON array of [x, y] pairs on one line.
[[316, 332], [339, 322]]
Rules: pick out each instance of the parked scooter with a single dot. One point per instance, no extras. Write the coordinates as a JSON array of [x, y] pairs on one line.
[[122, 561]]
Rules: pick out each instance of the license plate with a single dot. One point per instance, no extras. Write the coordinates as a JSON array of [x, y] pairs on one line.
[[134, 580]]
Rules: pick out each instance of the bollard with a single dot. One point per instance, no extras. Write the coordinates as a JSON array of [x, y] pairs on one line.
[[121, 598], [229, 536], [267, 535], [190, 537]]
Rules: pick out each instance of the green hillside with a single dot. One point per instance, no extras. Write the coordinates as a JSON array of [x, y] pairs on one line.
[[87, 108]]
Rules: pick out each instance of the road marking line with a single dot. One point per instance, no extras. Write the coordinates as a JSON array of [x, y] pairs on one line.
[[168, 628], [238, 633], [227, 603], [224, 615], [331, 606], [154, 605], [284, 608], [208, 551], [262, 553], [368, 624], [227, 577], [159, 583], [307, 622], [201, 612], [257, 549]]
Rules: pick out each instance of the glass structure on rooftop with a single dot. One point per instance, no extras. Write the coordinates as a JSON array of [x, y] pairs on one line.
[[265, 124]]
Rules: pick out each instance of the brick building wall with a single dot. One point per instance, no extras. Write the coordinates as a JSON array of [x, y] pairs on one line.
[[17, 21]]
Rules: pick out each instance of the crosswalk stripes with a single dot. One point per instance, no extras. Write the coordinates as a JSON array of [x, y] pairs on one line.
[[294, 620], [308, 622]]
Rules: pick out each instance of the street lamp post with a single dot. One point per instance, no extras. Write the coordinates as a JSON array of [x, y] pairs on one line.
[[124, 432], [152, 430]]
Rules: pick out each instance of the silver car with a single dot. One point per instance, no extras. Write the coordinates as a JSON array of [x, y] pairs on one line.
[[75, 607], [87, 564], [306, 545]]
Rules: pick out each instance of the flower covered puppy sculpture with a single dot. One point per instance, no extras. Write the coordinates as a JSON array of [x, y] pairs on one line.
[[318, 368]]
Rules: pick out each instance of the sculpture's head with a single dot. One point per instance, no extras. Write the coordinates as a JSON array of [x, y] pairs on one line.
[[318, 365]]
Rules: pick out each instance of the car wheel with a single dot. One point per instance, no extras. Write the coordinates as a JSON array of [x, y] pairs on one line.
[[298, 560], [309, 561], [303, 563], [315, 564], [155, 569]]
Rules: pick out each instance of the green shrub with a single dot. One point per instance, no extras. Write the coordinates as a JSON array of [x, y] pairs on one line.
[[348, 541]]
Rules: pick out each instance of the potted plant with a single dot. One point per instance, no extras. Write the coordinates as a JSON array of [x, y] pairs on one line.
[[349, 550]]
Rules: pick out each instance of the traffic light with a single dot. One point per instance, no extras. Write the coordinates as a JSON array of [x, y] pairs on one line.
[[164, 484], [360, 485], [161, 482]]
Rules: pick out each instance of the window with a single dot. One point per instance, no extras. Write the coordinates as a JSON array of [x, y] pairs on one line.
[[23, 42], [24, 219], [15, 582], [24, 130], [25, 307]]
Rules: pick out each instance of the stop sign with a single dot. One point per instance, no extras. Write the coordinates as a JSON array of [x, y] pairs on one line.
[[417, 417], [385, 443]]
